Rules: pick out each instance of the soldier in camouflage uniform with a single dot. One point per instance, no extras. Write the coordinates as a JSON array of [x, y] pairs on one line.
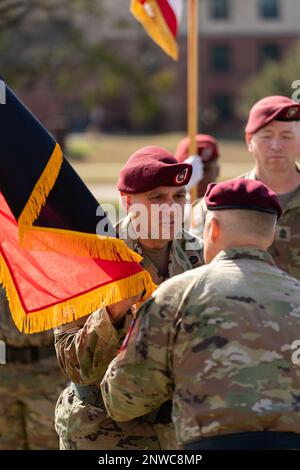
[[218, 340], [86, 347], [273, 138], [29, 386]]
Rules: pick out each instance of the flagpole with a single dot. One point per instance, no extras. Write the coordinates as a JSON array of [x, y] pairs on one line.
[[192, 81]]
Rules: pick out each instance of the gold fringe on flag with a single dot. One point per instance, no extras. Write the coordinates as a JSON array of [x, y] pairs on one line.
[[72, 309], [156, 26], [78, 244], [41, 190], [64, 241]]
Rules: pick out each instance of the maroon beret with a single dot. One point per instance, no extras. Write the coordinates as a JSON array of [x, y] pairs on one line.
[[207, 148], [242, 193], [151, 167], [279, 108]]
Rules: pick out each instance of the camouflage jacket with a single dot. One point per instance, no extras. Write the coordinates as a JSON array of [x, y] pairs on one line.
[[286, 247], [12, 336], [85, 347], [218, 342]]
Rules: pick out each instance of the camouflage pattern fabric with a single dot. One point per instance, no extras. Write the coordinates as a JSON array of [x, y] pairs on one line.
[[84, 350], [186, 252], [28, 392], [217, 341], [286, 247]]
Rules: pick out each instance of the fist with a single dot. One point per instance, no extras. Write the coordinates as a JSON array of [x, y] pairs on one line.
[[118, 311]]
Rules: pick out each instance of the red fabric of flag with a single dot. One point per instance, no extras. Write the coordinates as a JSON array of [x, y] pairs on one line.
[[47, 289]]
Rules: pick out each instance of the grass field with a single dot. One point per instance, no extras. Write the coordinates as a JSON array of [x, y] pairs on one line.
[[98, 158]]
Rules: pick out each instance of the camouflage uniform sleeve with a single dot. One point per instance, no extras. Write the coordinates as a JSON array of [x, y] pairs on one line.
[[139, 378], [86, 346]]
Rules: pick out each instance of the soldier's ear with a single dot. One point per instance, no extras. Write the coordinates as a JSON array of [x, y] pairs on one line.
[[248, 138], [214, 229], [126, 201]]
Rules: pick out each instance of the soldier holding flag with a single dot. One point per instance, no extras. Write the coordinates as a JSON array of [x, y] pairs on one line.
[[151, 178]]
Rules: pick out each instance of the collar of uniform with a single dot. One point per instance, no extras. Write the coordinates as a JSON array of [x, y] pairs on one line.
[[244, 253], [294, 203], [183, 250], [177, 252], [252, 173], [125, 231]]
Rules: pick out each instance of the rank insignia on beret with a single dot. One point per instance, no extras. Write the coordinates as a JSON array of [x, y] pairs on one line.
[[182, 176], [291, 112]]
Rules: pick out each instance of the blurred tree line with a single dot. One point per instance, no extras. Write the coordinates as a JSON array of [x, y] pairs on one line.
[[275, 78], [42, 41]]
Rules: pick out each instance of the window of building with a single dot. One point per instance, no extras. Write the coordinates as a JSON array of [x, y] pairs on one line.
[[223, 104], [269, 52], [221, 58], [269, 9], [219, 9]]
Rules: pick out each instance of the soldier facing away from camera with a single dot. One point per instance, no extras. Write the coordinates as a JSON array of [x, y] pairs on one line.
[[218, 340]]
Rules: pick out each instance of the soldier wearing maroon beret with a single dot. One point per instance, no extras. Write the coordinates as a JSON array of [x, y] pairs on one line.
[[273, 138], [205, 170], [241, 208], [151, 167], [218, 340], [242, 194], [208, 151], [152, 184]]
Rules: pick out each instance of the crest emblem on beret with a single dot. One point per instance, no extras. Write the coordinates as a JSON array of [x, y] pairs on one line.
[[207, 153], [291, 112], [181, 177]]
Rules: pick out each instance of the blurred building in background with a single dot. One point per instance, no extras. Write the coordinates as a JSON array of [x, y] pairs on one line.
[[236, 38]]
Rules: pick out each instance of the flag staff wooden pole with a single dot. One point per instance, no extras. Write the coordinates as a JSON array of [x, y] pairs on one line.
[[192, 81]]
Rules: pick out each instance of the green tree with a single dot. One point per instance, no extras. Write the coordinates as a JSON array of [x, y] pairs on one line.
[[41, 41], [13, 13]]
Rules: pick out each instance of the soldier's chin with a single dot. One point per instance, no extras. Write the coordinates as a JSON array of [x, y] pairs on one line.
[[169, 231]]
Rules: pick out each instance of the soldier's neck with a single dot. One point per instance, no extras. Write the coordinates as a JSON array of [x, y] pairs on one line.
[[153, 244], [280, 183]]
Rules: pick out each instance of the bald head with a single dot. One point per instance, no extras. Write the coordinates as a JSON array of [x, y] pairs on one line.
[[237, 228]]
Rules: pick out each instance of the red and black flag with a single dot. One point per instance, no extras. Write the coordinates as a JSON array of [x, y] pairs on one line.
[[53, 264]]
